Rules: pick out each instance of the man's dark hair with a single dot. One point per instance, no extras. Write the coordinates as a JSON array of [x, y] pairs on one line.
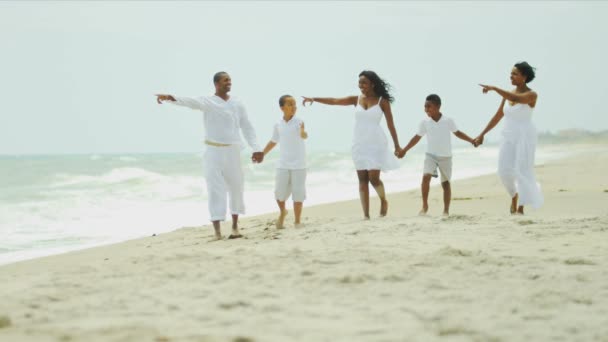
[[218, 76], [434, 99], [282, 99], [526, 70]]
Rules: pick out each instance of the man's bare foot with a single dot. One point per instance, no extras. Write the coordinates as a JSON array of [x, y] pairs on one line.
[[520, 210], [298, 225], [513, 208], [235, 234], [366, 218], [281, 219], [383, 208], [423, 211], [446, 214], [215, 238]]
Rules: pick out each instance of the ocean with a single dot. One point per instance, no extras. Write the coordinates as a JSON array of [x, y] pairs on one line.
[[52, 204]]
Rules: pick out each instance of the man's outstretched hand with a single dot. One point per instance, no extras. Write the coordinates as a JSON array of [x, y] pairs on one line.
[[163, 97], [257, 157]]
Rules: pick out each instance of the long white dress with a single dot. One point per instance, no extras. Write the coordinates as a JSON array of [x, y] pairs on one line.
[[516, 155], [370, 147]]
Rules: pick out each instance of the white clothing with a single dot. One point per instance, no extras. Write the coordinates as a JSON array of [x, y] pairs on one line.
[[222, 119], [224, 175], [439, 135], [370, 149], [292, 150], [444, 164], [290, 182], [222, 164], [516, 155]]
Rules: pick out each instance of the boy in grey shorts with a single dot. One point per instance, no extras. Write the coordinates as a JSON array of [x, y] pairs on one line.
[[437, 129], [290, 179]]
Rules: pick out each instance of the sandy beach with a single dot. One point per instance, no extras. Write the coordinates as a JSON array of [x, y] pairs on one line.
[[479, 275]]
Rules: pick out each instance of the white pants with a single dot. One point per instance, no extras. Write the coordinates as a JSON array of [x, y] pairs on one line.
[[516, 171], [290, 182], [224, 176]]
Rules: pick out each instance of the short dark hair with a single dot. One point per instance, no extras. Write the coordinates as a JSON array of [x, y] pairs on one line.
[[282, 100], [434, 99], [526, 70], [218, 76]]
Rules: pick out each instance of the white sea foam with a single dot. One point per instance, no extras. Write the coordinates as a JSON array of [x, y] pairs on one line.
[[79, 202]]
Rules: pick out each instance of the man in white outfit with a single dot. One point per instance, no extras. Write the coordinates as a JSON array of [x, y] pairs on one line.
[[224, 116]]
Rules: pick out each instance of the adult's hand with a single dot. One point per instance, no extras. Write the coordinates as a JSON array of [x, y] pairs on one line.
[[257, 157], [163, 97], [307, 99], [478, 141], [486, 88]]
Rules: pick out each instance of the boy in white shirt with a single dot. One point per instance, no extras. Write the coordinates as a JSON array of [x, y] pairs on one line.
[[437, 128], [290, 178]]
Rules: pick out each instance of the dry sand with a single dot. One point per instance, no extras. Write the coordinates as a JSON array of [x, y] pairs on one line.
[[479, 275]]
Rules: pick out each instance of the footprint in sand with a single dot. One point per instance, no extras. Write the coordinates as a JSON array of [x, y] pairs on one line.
[[450, 251], [578, 261], [525, 222], [233, 305], [5, 321]]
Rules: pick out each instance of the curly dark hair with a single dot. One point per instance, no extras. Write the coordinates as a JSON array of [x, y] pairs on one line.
[[526, 70], [381, 87]]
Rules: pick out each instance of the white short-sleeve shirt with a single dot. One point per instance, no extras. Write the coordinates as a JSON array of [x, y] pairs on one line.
[[292, 150], [439, 135]]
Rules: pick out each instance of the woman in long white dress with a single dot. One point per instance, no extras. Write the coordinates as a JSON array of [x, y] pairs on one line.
[[519, 137], [370, 150]]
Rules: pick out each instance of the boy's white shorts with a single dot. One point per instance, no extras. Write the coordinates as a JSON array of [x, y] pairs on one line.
[[290, 182], [444, 164]]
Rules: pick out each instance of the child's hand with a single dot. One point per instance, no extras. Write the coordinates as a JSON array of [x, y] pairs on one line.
[[303, 133], [399, 153]]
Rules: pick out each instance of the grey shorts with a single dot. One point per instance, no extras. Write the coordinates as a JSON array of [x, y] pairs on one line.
[[444, 164], [290, 182]]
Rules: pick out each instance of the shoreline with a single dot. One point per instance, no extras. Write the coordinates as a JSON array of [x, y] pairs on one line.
[[480, 274], [270, 213]]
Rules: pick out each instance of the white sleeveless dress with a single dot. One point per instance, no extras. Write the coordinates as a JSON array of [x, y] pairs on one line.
[[516, 155], [370, 150]]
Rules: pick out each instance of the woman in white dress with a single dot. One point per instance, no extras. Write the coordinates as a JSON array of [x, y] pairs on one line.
[[518, 146], [370, 150]]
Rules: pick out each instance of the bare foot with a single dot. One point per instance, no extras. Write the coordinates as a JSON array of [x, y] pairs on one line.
[[446, 214], [423, 211], [366, 218], [235, 234], [215, 238], [520, 210], [281, 219], [383, 208], [513, 208], [298, 225]]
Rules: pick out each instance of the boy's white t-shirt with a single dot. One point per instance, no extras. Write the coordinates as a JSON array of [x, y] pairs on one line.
[[439, 135], [292, 150]]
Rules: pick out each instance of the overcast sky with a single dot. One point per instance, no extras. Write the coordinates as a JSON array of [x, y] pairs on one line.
[[79, 77]]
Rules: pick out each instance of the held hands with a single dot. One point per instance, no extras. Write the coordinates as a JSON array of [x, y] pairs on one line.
[[400, 152], [478, 141], [162, 97], [257, 157], [307, 99]]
